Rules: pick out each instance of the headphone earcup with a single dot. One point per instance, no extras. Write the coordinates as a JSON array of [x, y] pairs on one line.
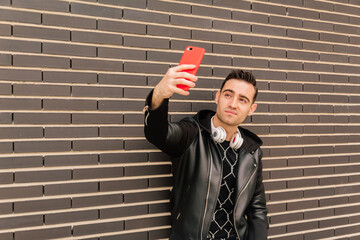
[[236, 141], [219, 134]]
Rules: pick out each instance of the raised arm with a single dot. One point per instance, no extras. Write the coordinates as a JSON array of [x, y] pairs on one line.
[[171, 138], [168, 84]]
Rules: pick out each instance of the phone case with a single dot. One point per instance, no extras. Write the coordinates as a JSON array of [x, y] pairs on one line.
[[191, 55]]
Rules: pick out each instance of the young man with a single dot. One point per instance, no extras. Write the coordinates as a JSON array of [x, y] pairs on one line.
[[218, 191]]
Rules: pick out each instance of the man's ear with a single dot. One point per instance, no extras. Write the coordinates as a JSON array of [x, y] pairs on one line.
[[252, 109], [217, 97]]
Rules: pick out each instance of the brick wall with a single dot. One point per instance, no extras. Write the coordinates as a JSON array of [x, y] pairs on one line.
[[74, 162]]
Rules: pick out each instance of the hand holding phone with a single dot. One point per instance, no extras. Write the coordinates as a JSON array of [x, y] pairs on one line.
[[191, 55]]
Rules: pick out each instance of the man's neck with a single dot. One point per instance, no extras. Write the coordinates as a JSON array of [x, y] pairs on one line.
[[230, 130]]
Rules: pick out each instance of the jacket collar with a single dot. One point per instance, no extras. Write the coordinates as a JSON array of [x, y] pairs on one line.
[[251, 140]]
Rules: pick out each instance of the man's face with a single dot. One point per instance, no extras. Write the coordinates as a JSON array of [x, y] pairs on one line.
[[235, 102]]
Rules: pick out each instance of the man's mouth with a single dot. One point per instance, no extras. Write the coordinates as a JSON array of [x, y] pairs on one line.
[[230, 112]]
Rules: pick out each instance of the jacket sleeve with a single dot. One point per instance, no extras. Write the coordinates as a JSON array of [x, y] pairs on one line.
[[257, 212], [171, 138]]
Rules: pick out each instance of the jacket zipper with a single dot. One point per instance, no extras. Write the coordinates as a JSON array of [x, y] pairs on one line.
[[242, 190], [207, 197]]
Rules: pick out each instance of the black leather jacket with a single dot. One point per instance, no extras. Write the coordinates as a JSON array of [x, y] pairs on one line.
[[197, 171]]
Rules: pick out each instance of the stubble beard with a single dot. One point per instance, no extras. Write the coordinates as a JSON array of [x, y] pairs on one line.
[[229, 123]]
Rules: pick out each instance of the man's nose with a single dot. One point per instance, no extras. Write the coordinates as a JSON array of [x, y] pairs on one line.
[[233, 102]]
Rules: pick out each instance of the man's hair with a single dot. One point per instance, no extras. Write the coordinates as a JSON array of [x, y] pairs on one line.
[[242, 75]]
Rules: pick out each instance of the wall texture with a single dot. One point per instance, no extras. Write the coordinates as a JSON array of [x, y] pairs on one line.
[[74, 163]]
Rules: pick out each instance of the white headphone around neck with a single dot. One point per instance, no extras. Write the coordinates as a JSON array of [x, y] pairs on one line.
[[219, 136]]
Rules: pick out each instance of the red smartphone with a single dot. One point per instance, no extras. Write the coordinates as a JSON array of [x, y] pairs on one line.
[[191, 55]]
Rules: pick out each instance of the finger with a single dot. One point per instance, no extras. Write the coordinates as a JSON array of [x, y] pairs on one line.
[[186, 75], [183, 67], [185, 82], [181, 91]]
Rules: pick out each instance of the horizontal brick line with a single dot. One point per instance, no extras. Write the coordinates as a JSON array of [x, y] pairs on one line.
[[109, 234], [286, 135], [317, 220], [210, 91], [268, 136], [303, 189], [343, 236], [309, 92], [123, 99], [68, 196], [319, 144], [312, 145], [271, 36], [310, 156], [94, 166], [315, 230], [76, 209], [102, 85], [82, 223], [171, 113], [92, 194], [162, 74], [70, 57], [307, 177], [76, 98], [123, 60], [266, 14], [146, 150], [340, 3], [79, 223], [335, 165], [77, 167], [310, 82], [307, 210], [303, 7], [269, 169], [71, 151], [80, 111], [288, 114], [157, 62], [193, 28], [9, 155], [141, 125], [69, 139], [67, 14], [283, 103], [311, 167], [77, 1], [305, 199], [105, 85], [89, 180], [167, 50], [71, 43], [72, 125], [82, 71], [78, 153], [192, 15]]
